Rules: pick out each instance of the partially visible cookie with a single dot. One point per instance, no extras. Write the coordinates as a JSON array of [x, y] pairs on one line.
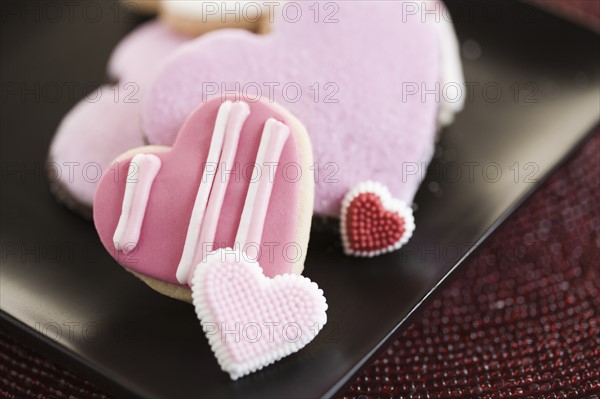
[[107, 122], [195, 17]]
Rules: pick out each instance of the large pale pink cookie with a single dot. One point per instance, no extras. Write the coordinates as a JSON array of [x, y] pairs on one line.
[[357, 78], [107, 122], [165, 203]]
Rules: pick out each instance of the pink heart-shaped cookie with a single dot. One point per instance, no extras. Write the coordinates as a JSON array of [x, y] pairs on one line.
[[368, 78], [372, 222], [107, 122], [158, 209], [250, 320]]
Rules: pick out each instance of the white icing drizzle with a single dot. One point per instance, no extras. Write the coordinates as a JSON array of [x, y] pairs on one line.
[[191, 239], [259, 192], [142, 171], [211, 193], [237, 117]]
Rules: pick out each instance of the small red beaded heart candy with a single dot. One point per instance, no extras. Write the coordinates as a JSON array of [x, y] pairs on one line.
[[373, 222]]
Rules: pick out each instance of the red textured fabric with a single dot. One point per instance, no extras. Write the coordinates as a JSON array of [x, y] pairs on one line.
[[523, 318], [26, 374]]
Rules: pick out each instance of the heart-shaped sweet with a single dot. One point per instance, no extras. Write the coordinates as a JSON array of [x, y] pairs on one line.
[[107, 122], [250, 320], [372, 222], [368, 78], [148, 207]]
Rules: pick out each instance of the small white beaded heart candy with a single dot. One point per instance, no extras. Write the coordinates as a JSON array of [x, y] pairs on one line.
[[249, 319]]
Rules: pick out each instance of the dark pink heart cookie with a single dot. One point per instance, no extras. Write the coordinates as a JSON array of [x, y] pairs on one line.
[[159, 209]]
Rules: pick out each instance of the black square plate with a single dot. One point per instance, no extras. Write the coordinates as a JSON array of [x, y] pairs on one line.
[[533, 97]]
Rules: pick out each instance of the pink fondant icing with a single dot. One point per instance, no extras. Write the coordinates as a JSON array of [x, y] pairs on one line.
[[361, 123], [107, 122], [165, 224]]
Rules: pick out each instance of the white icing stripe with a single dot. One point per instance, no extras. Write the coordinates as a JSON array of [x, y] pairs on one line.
[[126, 205], [279, 135], [237, 117], [257, 199], [142, 171], [147, 174], [191, 239], [246, 218]]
